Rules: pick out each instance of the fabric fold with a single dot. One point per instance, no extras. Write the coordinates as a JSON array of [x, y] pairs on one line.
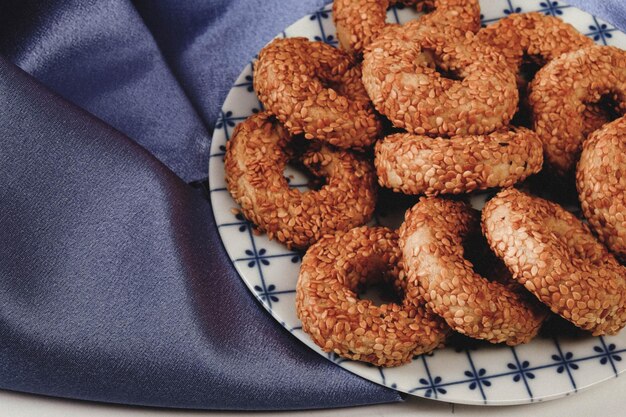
[[114, 285], [101, 56]]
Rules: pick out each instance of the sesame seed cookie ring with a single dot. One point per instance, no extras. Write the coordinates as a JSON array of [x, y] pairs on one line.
[[555, 256], [559, 92], [414, 164], [358, 22], [315, 89], [401, 80], [338, 321], [256, 157], [541, 37], [601, 183], [431, 239]]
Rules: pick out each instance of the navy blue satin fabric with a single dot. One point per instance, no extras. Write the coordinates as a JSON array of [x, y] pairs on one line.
[[114, 285], [101, 56]]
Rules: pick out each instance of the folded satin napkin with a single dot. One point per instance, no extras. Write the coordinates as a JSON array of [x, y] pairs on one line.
[[114, 285]]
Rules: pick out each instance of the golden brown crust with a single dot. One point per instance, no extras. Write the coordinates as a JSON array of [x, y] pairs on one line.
[[555, 256], [359, 22], [414, 164], [255, 160], [535, 34], [317, 90], [431, 239], [400, 78], [601, 183], [340, 322], [559, 92]]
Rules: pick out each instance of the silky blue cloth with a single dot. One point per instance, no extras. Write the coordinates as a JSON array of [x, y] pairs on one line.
[[114, 285]]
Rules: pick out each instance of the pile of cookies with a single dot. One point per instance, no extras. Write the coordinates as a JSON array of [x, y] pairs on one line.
[[440, 107]]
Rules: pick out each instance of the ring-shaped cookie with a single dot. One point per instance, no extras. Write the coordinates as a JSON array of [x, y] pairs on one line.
[[338, 321], [601, 184], [558, 94], [555, 256], [534, 35], [256, 156], [359, 22], [414, 164], [431, 239], [401, 77], [315, 89]]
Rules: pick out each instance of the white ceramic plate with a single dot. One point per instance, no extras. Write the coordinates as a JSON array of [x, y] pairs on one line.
[[544, 369]]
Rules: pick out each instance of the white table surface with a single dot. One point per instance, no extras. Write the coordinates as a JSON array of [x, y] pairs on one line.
[[604, 400]]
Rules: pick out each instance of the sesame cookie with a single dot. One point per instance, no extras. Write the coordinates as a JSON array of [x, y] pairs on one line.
[[403, 72], [359, 22], [338, 321], [558, 94], [431, 239], [315, 89], [534, 35], [414, 164], [555, 256], [601, 184], [256, 157]]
